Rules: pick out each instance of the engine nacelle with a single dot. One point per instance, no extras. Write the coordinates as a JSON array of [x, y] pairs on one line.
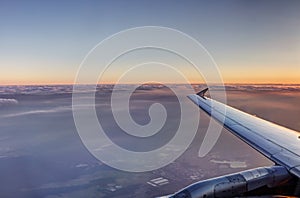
[[236, 184]]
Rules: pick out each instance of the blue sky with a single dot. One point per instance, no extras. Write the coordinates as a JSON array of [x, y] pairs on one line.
[[251, 41]]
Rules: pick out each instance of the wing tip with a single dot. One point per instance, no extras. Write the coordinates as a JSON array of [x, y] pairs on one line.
[[202, 93]]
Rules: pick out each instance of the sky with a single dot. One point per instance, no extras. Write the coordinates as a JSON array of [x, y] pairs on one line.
[[44, 42]]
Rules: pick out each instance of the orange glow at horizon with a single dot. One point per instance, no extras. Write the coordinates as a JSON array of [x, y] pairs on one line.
[[228, 81], [242, 75], [225, 81]]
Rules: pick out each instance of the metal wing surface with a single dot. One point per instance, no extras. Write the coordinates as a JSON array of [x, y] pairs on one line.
[[279, 144]]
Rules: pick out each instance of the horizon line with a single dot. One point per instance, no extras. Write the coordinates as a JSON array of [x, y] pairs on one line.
[[193, 83]]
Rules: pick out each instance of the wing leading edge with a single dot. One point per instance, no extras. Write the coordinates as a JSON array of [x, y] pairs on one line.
[[279, 144]]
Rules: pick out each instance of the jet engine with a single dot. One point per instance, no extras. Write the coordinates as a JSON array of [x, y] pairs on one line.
[[236, 184]]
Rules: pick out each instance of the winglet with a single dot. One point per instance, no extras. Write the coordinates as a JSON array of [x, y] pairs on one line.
[[202, 93]]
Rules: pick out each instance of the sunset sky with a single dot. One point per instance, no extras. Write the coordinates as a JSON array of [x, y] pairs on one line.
[[44, 42]]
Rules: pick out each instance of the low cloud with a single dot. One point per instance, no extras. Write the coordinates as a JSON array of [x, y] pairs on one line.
[[42, 111], [5, 102]]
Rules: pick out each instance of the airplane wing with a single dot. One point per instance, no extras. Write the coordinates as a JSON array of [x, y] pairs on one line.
[[279, 144]]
